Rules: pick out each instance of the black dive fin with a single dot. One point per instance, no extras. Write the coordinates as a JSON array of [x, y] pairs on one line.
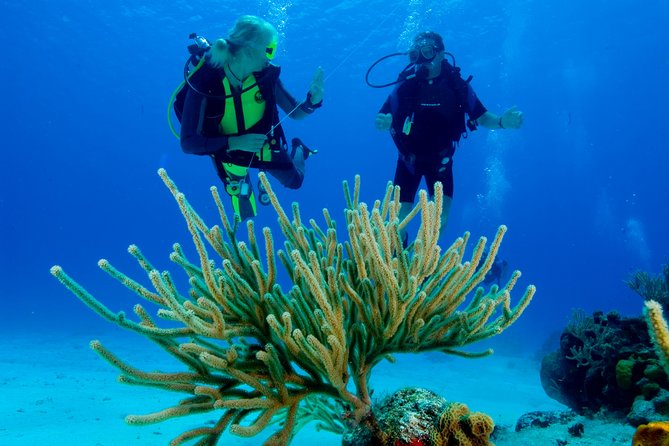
[[297, 142]]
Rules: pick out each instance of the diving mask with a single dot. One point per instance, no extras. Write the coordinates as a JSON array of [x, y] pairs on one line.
[[422, 53], [270, 50]]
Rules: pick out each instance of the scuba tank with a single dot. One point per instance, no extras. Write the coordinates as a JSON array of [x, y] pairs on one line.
[[198, 50]]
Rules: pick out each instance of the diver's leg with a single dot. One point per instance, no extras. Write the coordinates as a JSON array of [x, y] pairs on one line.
[[243, 199], [293, 176], [408, 181], [445, 212], [405, 208], [444, 174], [237, 184]]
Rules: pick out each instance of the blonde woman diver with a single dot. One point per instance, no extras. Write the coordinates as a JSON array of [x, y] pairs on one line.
[[230, 112]]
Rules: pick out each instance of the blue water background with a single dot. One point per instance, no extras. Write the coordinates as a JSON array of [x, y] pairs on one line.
[[582, 187]]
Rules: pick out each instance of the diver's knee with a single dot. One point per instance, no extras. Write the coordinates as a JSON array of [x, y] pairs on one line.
[[291, 180], [295, 182]]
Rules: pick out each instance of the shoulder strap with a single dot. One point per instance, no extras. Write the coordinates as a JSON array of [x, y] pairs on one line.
[[463, 93], [459, 85]]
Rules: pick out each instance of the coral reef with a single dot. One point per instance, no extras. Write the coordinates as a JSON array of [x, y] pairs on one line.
[[543, 419], [416, 416], [260, 356], [606, 363]]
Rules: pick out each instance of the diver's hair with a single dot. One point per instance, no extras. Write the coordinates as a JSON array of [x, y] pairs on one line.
[[431, 35], [248, 31]]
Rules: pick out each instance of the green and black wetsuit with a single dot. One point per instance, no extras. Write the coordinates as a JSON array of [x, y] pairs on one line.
[[209, 119]]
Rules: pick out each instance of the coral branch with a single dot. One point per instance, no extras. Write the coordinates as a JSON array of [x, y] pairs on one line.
[[658, 330]]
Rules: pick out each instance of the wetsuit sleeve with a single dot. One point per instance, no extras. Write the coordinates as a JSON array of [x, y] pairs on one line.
[[475, 108], [193, 139], [290, 105], [393, 98], [385, 108]]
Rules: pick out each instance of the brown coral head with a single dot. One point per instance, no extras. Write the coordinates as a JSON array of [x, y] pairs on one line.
[[652, 434], [457, 425]]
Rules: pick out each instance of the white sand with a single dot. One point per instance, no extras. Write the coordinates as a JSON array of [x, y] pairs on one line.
[[56, 391]]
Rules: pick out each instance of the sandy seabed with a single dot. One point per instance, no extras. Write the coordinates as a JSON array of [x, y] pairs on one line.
[[57, 391]]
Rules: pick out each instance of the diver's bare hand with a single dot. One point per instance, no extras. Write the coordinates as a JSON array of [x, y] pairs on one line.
[[250, 142], [383, 121], [512, 118]]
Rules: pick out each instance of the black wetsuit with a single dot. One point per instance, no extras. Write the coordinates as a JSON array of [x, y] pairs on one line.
[[201, 117], [436, 109]]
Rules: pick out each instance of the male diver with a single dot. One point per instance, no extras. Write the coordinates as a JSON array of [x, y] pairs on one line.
[[425, 114]]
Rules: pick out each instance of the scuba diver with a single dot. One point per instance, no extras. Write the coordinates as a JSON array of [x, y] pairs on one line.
[[497, 273], [228, 109], [425, 114]]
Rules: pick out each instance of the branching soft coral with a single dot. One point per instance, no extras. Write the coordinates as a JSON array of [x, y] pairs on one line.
[[651, 287], [257, 354]]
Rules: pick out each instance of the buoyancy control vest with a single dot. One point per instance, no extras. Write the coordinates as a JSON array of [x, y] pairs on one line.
[[231, 113], [446, 100]]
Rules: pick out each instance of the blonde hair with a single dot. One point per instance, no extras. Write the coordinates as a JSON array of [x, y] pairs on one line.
[[248, 31]]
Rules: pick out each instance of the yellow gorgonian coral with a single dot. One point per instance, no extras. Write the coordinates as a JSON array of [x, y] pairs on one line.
[[257, 353]]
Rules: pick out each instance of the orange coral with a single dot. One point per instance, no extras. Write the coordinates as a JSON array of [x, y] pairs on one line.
[[652, 434]]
